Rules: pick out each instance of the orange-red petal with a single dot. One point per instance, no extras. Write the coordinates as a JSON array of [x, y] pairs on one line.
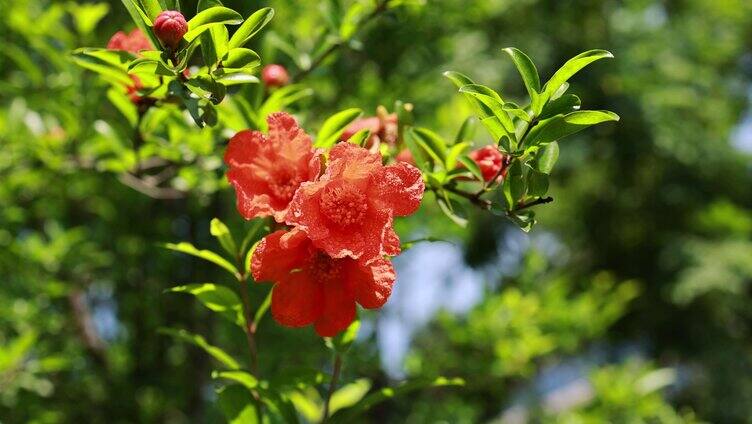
[[297, 300], [338, 310]]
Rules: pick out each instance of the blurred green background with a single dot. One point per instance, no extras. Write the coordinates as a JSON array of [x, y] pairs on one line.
[[629, 302]]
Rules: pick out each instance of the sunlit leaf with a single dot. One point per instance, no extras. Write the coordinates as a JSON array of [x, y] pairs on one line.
[[529, 75], [571, 67], [197, 340], [251, 26], [335, 125], [208, 255], [205, 19], [216, 298]]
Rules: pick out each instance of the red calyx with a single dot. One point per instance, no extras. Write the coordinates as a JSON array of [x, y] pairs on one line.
[[275, 75], [170, 27]]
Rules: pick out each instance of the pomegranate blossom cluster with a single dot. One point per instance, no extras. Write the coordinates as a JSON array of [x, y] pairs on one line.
[[338, 214]]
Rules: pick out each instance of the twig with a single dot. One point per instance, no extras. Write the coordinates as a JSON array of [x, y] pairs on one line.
[[472, 197], [538, 201], [381, 7], [250, 327], [155, 192], [332, 385]]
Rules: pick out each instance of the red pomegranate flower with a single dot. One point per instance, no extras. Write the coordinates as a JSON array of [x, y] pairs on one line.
[[491, 162], [267, 170], [133, 42], [348, 212], [313, 288]]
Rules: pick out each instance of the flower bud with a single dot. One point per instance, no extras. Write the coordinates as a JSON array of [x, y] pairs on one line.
[[170, 27], [275, 75]]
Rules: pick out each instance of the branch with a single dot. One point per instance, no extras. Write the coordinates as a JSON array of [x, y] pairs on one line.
[[538, 201], [381, 7], [332, 385], [151, 190]]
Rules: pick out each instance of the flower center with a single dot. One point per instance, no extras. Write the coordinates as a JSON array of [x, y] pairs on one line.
[[285, 186], [344, 205], [325, 269]]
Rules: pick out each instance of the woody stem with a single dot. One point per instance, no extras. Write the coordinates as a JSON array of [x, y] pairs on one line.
[[332, 384]]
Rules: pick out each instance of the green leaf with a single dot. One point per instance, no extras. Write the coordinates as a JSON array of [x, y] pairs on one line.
[[263, 308], [349, 395], [140, 19], [235, 78], [124, 105], [333, 127], [432, 143], [564, 104], [197, 340], [239, 58], [537, 183], [214, 45], [524, 219], [251, 26], [517, 111], [87, 16], [150, 66], [219, 230], [152, 8], [487, 118], [454, 153], [216, 298], [570, 68], [447, 210], [349, 415], [255, 232], [467, 130], [208, 255], [547, 157], [360, 137], [249, 257], [560, 126], [514, 185], [493, 102], [244, 378], [236, 405], [213, 16], [341, 342], [529, 74], [206, 4], [471, 166], [282, 98]]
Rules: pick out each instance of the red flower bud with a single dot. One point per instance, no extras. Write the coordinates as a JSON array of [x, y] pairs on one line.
[[170, 27], [275, 75]]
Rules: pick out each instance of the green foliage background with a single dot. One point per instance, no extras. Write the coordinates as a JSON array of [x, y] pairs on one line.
[[649, 287]]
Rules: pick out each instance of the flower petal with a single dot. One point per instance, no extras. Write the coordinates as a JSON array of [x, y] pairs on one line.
[[338, 310], [372, 283], [279, 253], [297, 301], [399, 187]]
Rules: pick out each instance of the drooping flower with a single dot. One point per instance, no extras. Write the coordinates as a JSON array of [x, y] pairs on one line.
[[310, 287], [170, 27], [133, 42], [348, 211], [383, 128], [275, 75], [267, 170], [491, 161]]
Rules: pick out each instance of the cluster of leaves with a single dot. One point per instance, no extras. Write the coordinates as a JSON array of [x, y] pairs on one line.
[[226, 62], [527, 134]]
